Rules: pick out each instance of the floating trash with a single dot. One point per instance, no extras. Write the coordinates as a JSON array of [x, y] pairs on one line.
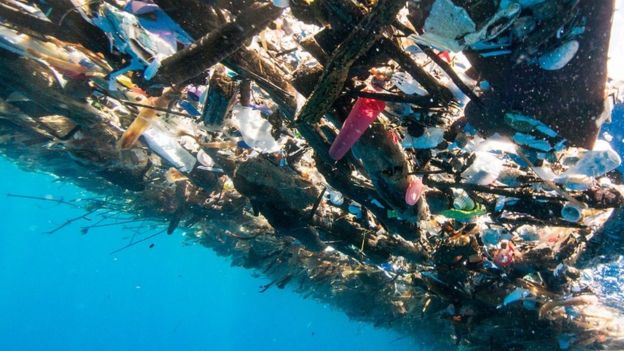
[[559, 57], [478, 204], [364, 112], [256, 130], [484, 170], [431, 138]]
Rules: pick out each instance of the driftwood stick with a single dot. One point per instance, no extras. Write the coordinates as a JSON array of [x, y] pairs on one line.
[[245, 62], [27, 76], [423, 101], [451, 73], [245, 92], [312, 46], [591, 197], [196, 17], [405, 60], [213, 47], [41, 198], [76, 29], [336, 72]]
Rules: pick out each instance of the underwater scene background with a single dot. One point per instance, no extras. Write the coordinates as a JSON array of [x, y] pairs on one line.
[[66, 288], [66, 291]]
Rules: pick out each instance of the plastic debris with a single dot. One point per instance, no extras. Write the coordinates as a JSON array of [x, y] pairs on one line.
[[492, 237], [598, 162], [355, 209], [519, 294], [465, 215], [281, 3], [163, 142], [431, 138], [462, 200], [207, 163], [362, 115], [153, 19], [484, 170], [527, 124], [414, 191], [559, 57], [572, 212], [128, 36], [407, 84], [532, 142], [504, 256], [256, 131], [457, 220]]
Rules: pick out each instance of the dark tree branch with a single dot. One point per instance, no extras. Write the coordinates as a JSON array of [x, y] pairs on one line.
[[361, 39], [213, 47]]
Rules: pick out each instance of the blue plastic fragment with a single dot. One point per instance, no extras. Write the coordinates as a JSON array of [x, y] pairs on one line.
[[189, 108]]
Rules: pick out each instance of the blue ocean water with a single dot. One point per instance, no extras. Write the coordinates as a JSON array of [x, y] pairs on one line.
[[66, 291]]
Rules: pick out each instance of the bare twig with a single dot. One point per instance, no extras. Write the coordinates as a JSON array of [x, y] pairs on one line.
[[137, 242], [41, 198], [72, 220]]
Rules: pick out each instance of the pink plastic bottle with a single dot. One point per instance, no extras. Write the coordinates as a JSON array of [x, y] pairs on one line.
[[364, 112]]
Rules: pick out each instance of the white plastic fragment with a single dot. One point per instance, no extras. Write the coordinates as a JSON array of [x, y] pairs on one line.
[[607, 137], [431, 138], [559, 57], [484, 170], [407, 84], [204, 159], [525, 123], [497, 143], [600, 161], [256, 131], [207, 163], [163, 142], [334, 196], [545, 173], [519, 294], [445, 23]]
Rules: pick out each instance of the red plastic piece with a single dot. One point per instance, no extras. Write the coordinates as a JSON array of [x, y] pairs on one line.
[[364, 112]]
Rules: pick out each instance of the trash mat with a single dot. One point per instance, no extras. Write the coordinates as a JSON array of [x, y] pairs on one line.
[[440, 166]]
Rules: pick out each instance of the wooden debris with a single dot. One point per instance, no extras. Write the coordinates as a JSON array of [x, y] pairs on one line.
[[216, 45]]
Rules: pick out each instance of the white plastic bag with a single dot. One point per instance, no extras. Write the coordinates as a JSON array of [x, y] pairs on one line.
[[256, 131]]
